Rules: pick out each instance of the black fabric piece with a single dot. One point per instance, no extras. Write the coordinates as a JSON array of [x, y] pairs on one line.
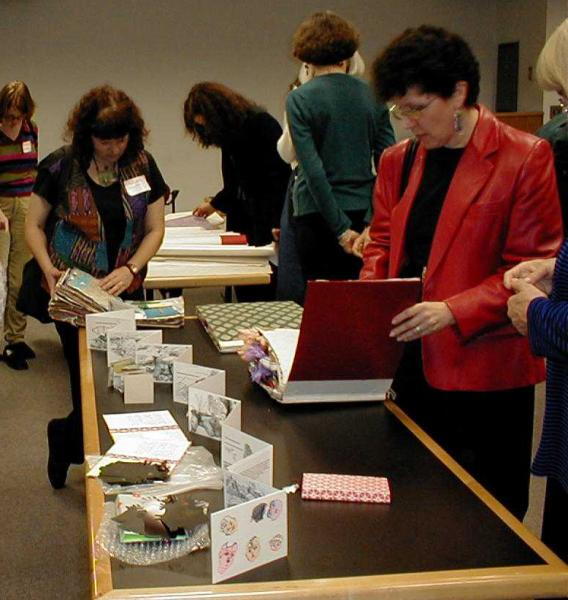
[[439, 170], [321, 256], [555, 518], [108, 200], [32, 298], [407, 163]]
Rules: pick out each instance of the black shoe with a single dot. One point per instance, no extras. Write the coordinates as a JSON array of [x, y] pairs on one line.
[[24, 350], [57, 464], [14, 357]]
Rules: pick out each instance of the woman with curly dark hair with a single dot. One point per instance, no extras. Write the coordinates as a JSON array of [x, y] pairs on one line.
[[98, 205], [254, 176], [338, 132], [464, 201]]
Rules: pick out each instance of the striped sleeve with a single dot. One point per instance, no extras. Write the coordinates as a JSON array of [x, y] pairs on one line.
[[548, 328]]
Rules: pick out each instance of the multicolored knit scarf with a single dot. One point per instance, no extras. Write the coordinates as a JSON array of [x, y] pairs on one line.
[[78, 237]]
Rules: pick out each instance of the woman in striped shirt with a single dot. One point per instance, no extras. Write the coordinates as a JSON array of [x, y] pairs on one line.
[[539, 309], [18, 166]]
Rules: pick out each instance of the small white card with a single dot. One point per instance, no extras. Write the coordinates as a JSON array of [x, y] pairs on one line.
[[138, 388], [27, 147], [246, 455], [140, 422], [203, 378], [153, 424], [117, 372], [121, 345], [97, 325], [207, 411], [159, 359], [252, 530], [137, 185]]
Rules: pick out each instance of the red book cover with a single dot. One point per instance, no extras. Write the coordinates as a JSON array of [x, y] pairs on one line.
[[231, 239], [345, 328]]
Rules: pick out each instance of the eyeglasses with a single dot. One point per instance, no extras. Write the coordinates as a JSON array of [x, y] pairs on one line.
[[414, 112]]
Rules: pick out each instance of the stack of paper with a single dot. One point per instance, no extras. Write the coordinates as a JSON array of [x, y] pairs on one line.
[[168, 312], [213, 222], [194, 247], [185, 241], [78, 294]]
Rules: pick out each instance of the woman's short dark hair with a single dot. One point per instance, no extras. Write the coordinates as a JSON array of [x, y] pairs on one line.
[[223, 110], [106, 113], [325, 39], [16, 95], [429, 58]]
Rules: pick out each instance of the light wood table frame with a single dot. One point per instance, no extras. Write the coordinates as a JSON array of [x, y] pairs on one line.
[[504, 583], [193, 281]]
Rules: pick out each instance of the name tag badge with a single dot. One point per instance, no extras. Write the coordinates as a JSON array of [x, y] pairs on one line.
[[27, 147], [137, 185]]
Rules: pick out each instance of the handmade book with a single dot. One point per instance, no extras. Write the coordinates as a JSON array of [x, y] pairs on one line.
[[207, 412], [98, 326], [187, 376], [223, 322], [345, 488], [342, 351], [252, 528]]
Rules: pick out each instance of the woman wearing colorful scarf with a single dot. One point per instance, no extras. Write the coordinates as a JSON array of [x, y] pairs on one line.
[[98, 205]]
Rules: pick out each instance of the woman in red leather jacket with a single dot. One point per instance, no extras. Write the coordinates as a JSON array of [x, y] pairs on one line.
[[478, 198]]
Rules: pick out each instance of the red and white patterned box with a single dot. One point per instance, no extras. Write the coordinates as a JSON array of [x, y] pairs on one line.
[[345, 488]]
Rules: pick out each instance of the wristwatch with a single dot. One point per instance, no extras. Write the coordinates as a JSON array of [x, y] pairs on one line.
[[134, 269]]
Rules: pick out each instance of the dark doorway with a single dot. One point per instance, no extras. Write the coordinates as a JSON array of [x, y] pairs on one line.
[[507, 77]]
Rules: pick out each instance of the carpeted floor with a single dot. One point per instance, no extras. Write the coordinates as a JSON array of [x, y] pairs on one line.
[[43, 554], [43, 549]]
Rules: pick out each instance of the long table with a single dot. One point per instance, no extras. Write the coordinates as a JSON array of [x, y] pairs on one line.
[[443, 536]]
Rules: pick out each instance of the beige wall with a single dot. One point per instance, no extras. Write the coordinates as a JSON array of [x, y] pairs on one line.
[[155, 50]]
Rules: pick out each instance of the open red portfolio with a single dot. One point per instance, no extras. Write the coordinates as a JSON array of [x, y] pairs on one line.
[[343, 350]]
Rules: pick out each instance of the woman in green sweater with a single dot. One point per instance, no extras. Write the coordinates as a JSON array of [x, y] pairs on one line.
[[338, 132]]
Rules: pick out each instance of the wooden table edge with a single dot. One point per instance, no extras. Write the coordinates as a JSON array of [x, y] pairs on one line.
[[206, 281], [506, 583]]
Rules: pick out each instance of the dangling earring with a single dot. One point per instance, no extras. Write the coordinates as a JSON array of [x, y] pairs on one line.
[[458, 121]]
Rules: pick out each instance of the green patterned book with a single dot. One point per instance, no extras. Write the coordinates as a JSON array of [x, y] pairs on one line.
[[224, 321]]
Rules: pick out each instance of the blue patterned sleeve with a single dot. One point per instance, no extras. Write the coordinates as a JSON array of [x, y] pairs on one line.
[[548, 328]]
